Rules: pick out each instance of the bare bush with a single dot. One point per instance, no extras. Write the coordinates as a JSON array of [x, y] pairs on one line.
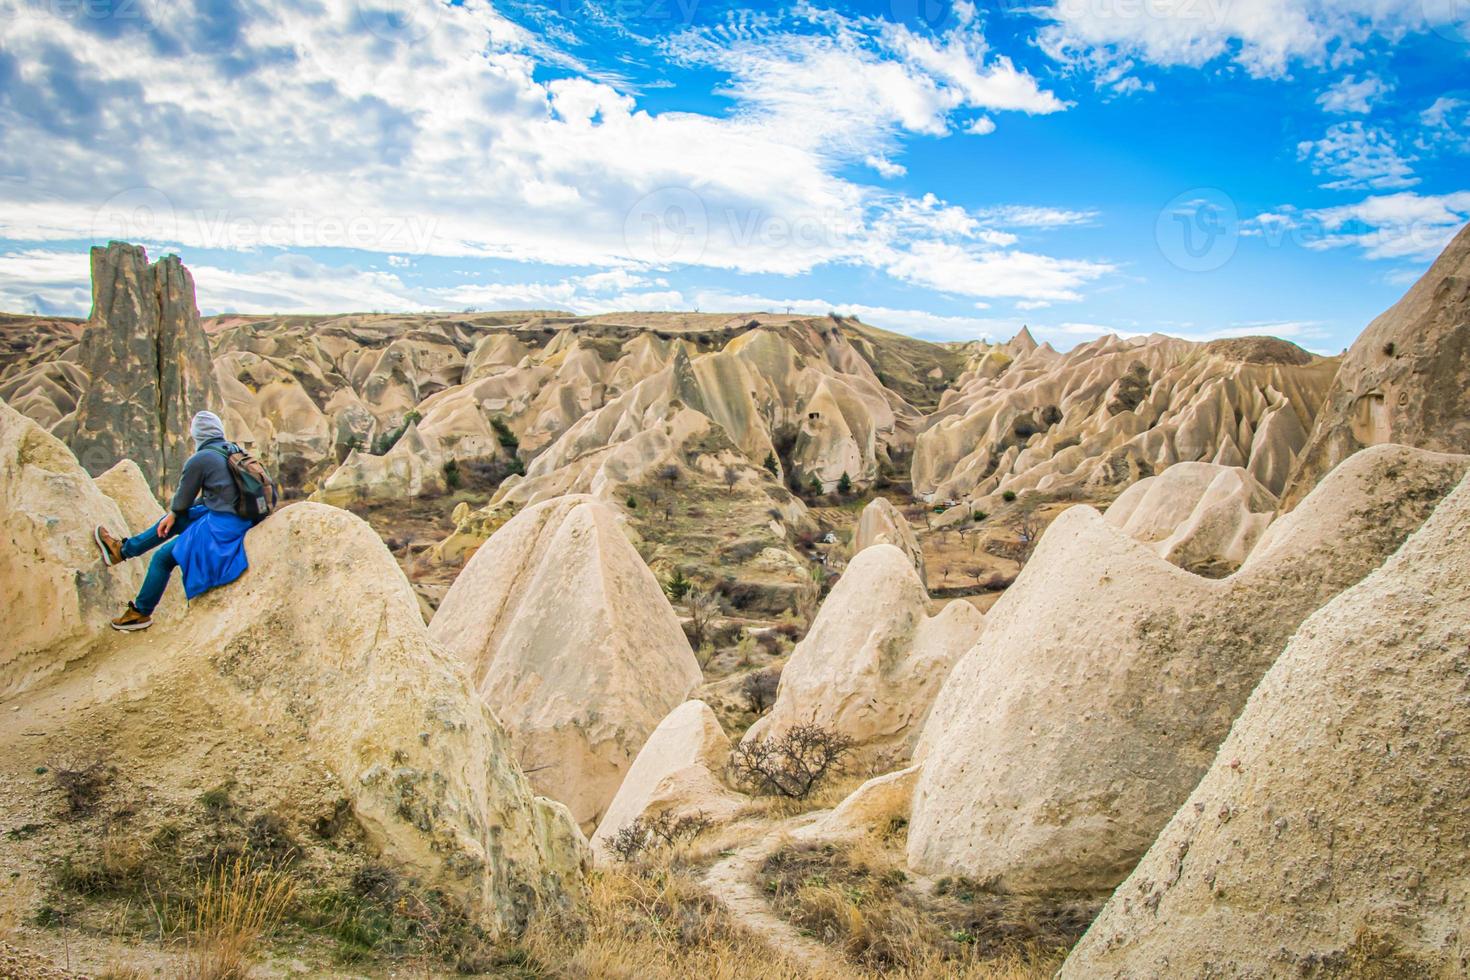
[[1027, 528], [661, 829], [759, 689], [790, 764], [701, 607], [81, 784]]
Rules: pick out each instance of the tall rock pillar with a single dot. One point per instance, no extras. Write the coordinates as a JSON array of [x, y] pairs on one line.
[[149, 363]]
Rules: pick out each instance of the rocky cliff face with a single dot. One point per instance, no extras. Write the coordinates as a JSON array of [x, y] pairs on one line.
[[147, 363], [1405, 380], [1106, 679], [327, 708], [1330, 831]]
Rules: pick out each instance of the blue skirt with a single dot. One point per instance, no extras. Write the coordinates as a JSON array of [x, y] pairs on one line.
[[211, 551]]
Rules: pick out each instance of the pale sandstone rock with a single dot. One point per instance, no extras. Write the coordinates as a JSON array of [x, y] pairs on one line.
[[414, 467], [322, 705], [1114, 410], [54, 589], [1405, 380], [874, 806], [1198, 516], [147, 362], [1106, 679], [125, 485], [873, 661], [677, 771], [571, 641], [1335, 806], [881, 523]]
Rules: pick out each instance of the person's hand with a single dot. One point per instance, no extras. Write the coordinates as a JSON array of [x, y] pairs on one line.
[[166, 526]]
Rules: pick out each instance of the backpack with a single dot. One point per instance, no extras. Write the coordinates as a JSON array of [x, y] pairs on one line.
[[256, 494]]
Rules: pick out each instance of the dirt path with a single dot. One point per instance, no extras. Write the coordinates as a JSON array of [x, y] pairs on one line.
[[733, 881]]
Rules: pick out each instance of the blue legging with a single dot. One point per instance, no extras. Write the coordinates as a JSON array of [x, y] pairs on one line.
[[161, 566]]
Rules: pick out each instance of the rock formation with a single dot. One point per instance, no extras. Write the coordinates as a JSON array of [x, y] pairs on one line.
[[1406, 379], [1106, 679], [1202, 517], [125, 485], [568, 636], [881, 523], [56, 594], [676, 771], [1333, 822], [414, 467], [1112, 411], [873, 661], [147, 362], [343, 718]]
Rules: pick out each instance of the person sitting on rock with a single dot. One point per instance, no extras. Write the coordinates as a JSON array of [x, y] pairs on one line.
[[206, 540]]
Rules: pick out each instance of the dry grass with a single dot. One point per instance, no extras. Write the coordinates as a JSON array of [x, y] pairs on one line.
[[856, 897], [647, 923], [827, 795], [234, 907], [16, 900]]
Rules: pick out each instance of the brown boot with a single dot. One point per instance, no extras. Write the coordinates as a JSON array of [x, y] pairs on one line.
[[131, 620], [110, 546]]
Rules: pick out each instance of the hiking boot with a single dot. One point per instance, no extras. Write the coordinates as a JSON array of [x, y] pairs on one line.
[[132, 620], [110, 546]]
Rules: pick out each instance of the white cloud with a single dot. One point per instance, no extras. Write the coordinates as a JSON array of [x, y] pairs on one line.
[[842, 86], [1360, 157], [970, 271], [1351, 95], [1265, 37], [1030, 216], [59, 282], [289, 125], [46, 282], [885, 167], [918, 323], [1389, 226], [1446, 126]]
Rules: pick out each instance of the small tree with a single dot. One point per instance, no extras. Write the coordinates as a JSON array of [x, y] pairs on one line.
[[844, 484], [669, 473], [701, 607], [677, 586], [814, 485], [1009, 496], [732, 477], [759, 689], [772, 466], [503, 435], [790, 764], [1028, 531]]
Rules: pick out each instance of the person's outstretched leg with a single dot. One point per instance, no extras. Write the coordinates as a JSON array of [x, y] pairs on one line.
[[139, 614], [116, 550]]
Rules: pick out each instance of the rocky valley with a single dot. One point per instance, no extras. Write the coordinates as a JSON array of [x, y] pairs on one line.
[[739, 645]]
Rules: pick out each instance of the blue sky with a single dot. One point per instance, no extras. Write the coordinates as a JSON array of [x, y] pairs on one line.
[[1197, 167]]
